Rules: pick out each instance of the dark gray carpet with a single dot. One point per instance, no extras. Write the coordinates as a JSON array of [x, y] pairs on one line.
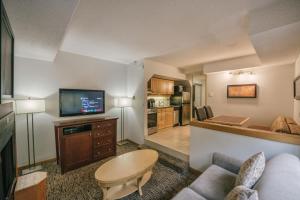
[[80, 184]]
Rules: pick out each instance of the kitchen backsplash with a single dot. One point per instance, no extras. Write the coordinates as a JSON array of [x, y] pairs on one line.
[[160, 101]]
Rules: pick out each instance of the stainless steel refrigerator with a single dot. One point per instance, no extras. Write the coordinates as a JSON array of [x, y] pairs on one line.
[[183, 100]]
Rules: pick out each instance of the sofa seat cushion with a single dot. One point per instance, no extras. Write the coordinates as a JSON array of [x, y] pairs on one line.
[[281, 179], [188, 194], [215, 183], [280, 125]]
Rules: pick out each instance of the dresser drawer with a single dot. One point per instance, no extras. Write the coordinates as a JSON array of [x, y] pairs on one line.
[[104, 125], [103, 132], [104, 152], [102, 141]]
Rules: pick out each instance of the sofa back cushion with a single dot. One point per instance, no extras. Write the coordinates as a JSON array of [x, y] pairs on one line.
[[280, 125], [281, 179]]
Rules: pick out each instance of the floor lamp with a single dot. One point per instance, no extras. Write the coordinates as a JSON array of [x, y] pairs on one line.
[[122, 102], [29, 107]]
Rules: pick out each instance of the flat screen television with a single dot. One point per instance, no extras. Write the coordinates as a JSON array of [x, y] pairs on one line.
[[74, 102]]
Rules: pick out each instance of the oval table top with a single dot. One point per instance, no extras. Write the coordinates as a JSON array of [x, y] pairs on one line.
[[126, 167]]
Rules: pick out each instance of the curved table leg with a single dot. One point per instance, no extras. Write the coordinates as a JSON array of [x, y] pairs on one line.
[[105, 191], [124, 189], [139, 183]]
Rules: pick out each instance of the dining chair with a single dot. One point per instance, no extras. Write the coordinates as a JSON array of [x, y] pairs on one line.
[[209, 112], [200, 113]]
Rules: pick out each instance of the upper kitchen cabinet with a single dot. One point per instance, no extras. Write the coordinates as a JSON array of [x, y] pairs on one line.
[[161, 86], [170, 87]]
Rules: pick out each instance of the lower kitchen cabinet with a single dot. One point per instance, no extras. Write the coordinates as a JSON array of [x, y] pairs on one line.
[[165, 117], [169, 117]]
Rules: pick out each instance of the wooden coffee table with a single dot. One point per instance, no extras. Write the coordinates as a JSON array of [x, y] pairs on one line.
[[126, 173]]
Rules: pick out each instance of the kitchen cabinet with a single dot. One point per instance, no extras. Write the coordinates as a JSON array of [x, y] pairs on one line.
[[154, 85], [161, 117], [169, 117], [170, 87], [161, 86], [165, 117]]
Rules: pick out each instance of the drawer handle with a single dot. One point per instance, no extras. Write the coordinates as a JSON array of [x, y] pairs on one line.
[[98, 126], [98, 134], [98, 143]]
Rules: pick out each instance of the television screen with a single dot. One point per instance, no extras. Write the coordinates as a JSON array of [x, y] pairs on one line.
[[81, 102]]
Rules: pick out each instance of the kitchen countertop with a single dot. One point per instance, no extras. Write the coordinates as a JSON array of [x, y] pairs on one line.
[[166, 107]]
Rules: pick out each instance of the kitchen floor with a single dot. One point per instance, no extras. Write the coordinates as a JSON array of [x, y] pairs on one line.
[[174, 141]]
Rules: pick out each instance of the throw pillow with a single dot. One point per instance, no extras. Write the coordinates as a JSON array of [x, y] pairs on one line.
[[251, 170], [290, 120], [242, 193], [280, 125], [295, 129]]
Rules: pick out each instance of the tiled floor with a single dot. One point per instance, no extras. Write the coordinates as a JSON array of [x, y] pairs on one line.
[[176, 139]]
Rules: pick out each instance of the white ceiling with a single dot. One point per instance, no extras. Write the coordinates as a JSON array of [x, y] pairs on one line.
[[39, 25], [175, 32]]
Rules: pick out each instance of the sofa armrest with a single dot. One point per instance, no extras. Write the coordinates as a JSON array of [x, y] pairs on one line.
[[231, 164]]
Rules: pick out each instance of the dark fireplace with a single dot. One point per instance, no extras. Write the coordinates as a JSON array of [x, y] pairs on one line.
[[7, 156]]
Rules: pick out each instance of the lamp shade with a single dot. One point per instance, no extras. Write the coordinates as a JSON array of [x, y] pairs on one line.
[[123, 102], [30, 106]]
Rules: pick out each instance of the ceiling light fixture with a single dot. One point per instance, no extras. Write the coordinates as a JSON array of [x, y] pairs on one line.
[[241, 72]]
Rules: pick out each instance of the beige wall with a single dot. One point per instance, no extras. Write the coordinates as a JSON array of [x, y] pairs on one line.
[[153, 67], [135, 114], [41, 79], [275, 94], [297, 102]]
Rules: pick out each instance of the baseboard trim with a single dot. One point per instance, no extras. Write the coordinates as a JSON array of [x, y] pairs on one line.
[[195, 171], [20, 168]]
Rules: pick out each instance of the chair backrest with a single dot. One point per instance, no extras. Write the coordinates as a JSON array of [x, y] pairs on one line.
[[209, 112], [200, 113]]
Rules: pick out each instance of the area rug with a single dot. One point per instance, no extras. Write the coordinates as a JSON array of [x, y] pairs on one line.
[[80, 184]]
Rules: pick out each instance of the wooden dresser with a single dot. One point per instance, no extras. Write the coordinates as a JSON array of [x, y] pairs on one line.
[[83, 141]]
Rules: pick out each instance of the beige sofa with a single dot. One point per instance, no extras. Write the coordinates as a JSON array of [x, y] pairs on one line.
[[282, 125]]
